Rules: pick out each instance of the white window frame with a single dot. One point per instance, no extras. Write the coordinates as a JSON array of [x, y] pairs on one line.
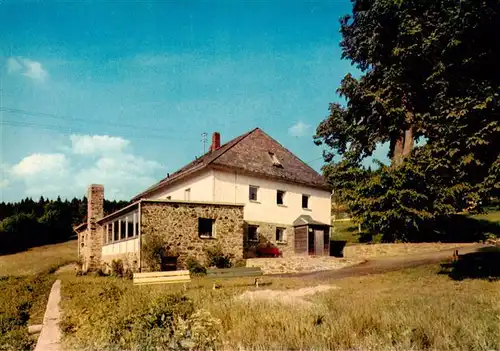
[[283, 202], [256, 187], [283, 235], [187, 194], [308, 201], [214, 230], [257, 239]]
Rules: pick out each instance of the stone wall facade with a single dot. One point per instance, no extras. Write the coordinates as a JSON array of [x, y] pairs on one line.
[[267, 236], [177, 224]]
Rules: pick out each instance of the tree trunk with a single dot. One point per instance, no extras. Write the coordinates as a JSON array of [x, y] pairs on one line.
[[402, 147], [397, 152]]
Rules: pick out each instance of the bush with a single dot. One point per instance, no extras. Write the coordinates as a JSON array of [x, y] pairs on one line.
[[217, 258], [155, 250], [241, 262], [195, 267], [128, 274], [122, 318], [117, 269]]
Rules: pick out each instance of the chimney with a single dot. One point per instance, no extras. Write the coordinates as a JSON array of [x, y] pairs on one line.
[[95, 211], [215, 141]]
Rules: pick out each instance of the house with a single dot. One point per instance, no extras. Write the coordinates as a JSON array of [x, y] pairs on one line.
[[246, 193]]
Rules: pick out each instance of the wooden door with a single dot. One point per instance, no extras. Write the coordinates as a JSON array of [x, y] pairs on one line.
[[319, 242]]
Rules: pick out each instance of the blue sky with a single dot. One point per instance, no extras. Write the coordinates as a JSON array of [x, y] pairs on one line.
[[119, 93]]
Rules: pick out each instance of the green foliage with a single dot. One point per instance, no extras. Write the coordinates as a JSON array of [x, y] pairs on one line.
[[217, 258], [28, 223], [195, 268], [126, 318], [155, 250], [429, 70], [117, 268], [22, 299]]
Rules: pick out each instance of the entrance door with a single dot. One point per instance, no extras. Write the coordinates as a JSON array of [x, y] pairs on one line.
[[319, 242]]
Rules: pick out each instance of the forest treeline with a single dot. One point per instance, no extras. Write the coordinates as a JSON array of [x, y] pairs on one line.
[[30, 223]]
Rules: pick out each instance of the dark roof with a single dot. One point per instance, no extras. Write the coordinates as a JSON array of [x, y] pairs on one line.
[[81, 227], [249, 153], [307, 220]]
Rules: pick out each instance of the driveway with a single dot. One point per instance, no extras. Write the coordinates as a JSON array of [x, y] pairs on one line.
[[386, 264]]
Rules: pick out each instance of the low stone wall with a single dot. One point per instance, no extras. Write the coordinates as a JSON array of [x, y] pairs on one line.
[[300, 264], [385, 250]]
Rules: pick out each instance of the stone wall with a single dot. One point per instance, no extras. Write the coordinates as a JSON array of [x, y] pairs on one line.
[[91, 250], [176, 223], [267, 236]]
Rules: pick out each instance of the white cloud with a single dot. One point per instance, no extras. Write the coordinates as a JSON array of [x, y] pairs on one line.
[[37, 164], [299, 129], [43, 174], [28, 68], [97, 144], [69, 173], [13, 65], [120, 174]]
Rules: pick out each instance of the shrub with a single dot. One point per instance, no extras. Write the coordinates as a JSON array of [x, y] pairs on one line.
[[129, 274], [155, 250], [240, 262], [217, 258], [195, 267], [117, 269]]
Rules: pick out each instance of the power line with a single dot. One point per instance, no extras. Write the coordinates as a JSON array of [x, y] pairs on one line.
[[73, 130], [316, 159], [83, 120]]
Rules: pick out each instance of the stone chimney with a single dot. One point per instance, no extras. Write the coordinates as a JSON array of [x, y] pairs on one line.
[[95, 211], [215, 141]]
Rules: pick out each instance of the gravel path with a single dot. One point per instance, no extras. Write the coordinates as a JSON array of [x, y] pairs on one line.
[[386, 264]]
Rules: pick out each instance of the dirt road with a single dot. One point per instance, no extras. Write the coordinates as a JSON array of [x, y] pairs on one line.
[[386, 264]]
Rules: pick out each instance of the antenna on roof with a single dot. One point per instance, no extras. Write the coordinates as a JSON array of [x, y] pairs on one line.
[[204, 141]]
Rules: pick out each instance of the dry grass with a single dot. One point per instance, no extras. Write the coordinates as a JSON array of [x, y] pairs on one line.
[[38, 259], [412, 309], [389, 250]]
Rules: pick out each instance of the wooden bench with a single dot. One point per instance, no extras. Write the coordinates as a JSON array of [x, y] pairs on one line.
[[169, 277], [223, 273]]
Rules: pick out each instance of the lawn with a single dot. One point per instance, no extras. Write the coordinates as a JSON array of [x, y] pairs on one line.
[[421, 308], [25, 282]]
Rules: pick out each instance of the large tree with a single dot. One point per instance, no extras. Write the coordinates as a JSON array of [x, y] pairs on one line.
[[429, 69]]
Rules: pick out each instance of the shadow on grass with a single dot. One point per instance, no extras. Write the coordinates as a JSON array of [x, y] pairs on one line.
[[484, 264]]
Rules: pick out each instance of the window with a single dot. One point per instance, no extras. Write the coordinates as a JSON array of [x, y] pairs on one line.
[[280, 197], [206, 227], [105, 234], [275, 160], [130, 226], [110, 232], [136, 222], [252, 192], [116, 231], [169, 197], [123, 229], [305, 201], [280, 235], [187, 195], [253, 233]]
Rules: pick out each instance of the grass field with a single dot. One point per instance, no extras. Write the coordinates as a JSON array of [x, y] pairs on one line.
[[25, 282], [414, 309], [38, 259]]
